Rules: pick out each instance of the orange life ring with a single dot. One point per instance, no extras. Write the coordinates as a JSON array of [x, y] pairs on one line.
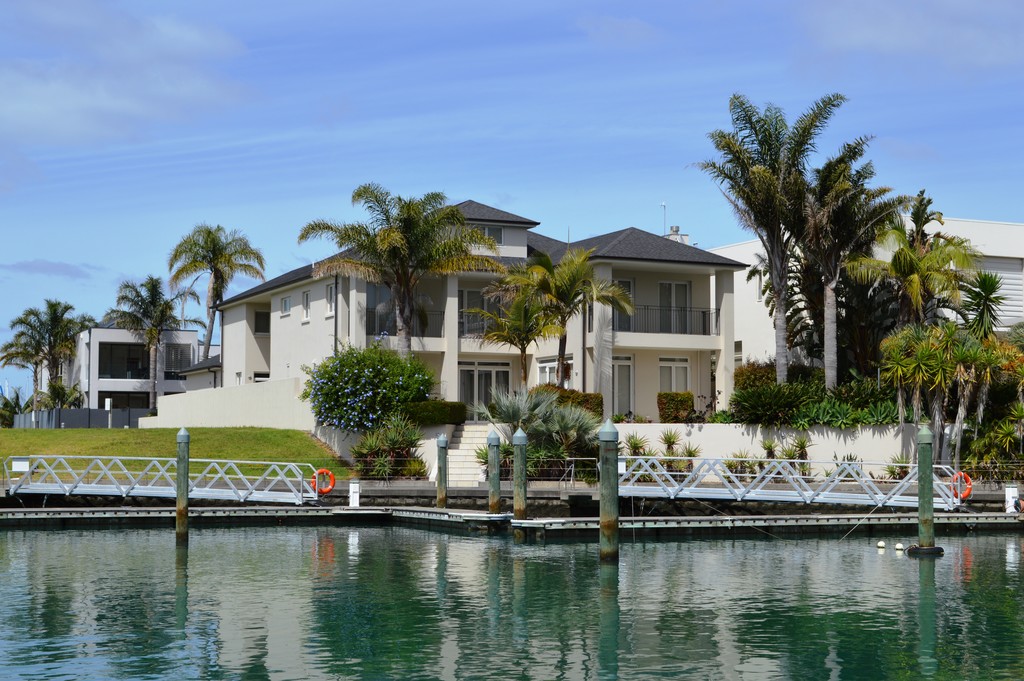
[[966, 493], [326, 489]]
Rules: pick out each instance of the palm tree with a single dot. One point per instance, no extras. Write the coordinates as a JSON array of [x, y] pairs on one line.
[[762, 174], [221, 255], [842, 214], [517, 325], [563, 291], [44, 337], [981, 304], [145, 309], [925, 271], [405, 240]]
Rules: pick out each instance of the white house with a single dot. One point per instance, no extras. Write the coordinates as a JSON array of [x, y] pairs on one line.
[[681, 336], [112, 363]]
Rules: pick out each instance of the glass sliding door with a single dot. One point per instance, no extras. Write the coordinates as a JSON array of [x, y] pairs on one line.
[[674, 301], [622, 384], [480, 381]]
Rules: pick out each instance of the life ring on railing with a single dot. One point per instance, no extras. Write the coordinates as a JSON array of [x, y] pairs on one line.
[[959, 477], [326, 489]]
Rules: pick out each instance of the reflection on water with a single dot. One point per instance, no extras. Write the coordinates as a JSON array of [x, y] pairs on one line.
[[384, 603]]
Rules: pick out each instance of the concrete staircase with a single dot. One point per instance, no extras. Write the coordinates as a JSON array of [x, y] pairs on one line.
[[463, 468]]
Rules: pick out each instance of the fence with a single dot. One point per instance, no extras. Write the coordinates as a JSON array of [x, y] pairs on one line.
[[80, 418]]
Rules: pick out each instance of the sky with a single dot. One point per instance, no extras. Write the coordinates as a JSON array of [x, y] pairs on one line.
[[125, 124]]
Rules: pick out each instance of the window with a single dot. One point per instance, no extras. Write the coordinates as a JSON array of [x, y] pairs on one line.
[[496, 233], [737, 357], [177, 358], [547, 370], [262, 325], [305, 306], [260, 376], [329, 295], [674, 374], [123, 360], [286, 305]]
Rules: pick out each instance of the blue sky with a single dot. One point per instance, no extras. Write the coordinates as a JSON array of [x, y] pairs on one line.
[[124, 124]]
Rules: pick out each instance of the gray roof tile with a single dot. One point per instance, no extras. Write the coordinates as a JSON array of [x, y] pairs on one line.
[[478, 212]]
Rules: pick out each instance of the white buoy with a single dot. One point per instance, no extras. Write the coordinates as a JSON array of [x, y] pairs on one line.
[[880, 544], [899, 547]]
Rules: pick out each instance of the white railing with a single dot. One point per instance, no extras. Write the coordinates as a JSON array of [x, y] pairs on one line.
[[256, 481], [797, 481]]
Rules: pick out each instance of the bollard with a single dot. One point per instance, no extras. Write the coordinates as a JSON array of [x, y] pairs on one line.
[[181, 512], [925, 498], [519, 475], [493, 473], [608, 437], [442, 471], [110, 413]]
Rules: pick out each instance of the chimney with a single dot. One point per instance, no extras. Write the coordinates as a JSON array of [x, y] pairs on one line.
[[674, 235]]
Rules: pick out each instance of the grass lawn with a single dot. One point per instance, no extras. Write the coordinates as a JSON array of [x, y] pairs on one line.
[[240, 444]]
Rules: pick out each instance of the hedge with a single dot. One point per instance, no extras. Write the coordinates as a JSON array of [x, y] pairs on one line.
[[433, 412], [592, 402], [675, 407]]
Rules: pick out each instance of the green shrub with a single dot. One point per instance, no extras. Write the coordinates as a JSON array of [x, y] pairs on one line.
[[357, 388], [592, 402], [432, 412], [863, 393], [675, 407], [389, 450], [757, 374], [774, 405]]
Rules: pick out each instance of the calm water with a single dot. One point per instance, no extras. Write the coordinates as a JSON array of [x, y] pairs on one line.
[[308, 603]]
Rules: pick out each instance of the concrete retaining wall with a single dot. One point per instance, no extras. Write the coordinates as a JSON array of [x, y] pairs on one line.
[[274, 404]]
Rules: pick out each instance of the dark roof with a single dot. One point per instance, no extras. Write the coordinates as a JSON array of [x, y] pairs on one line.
[[636, 244], [478, 212], [211, 363], [296, 275]]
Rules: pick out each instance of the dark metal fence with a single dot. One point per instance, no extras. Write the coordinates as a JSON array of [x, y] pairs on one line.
[[81, 418], [381, 323], [698, 321]]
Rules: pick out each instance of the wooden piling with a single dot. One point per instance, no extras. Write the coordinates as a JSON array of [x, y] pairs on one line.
[[493, 473], [181, 511], [442, 471], [608, 437], [519, 475]]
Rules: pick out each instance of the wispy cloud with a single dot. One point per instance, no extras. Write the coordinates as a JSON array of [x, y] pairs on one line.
[[963, 36], [619, 33], [89, 70], [50, 268]]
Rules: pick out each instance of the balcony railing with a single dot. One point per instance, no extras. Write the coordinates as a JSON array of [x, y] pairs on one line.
[[473, 325], [698, 321], [378, 324]]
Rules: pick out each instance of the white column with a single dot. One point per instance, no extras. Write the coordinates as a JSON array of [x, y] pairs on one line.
[[726, 334], [357, 312], [449, 378]]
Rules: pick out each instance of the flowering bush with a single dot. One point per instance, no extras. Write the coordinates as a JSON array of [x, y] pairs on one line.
[[357, 388]]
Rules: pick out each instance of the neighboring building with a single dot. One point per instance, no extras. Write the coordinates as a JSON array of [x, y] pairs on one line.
[[674, 341], [113, 363], [1001, 245]]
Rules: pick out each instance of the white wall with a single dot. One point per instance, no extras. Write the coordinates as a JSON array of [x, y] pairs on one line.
[[274, 404]]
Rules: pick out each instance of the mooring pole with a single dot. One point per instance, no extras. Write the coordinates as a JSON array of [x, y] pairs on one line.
[[181, 514], [442, 471], [493, 473], [925, 498], [519, 475], [609, 474]]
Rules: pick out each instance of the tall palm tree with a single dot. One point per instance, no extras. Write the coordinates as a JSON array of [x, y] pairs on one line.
[[925, 270], [404, 240], [216, 252], [517, 325], [44, 337], [146, 310], [762, 171], [842, 214], [563, 291]]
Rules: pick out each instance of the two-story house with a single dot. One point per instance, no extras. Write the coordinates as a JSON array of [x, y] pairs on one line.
[[679, 338]]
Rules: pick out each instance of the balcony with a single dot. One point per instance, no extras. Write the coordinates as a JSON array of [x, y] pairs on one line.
[[473, 325], [698, 321], [378, 324]]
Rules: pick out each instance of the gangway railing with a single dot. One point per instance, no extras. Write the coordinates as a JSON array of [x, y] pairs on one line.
[[787, 480], [223, 480]]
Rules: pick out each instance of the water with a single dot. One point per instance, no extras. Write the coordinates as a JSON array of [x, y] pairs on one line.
[[388, 603]]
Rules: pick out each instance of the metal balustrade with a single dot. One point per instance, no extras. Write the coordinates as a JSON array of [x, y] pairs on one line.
[[256, 481], [384, 323], [697, 321], [786, 480]]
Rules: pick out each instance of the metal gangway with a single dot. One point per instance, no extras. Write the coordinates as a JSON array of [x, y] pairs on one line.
[[784, 480], [222, 480]]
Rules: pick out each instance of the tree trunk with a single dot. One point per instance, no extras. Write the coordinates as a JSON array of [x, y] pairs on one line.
[[211, 315], [522, 364], [153, 354], [403, 330], [831, 340], [560, 369], [781, 347]]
